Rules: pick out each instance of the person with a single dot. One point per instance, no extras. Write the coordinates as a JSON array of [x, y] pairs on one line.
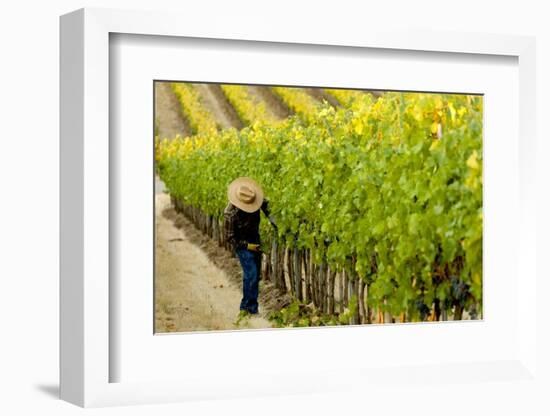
[[242, 223]]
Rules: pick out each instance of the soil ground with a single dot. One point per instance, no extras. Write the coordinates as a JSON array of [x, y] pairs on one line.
[[169, 121], [319, 94], [222, 111], [191, 292], [273, 104]]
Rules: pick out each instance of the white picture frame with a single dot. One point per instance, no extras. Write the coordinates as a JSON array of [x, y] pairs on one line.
[[85, 356]]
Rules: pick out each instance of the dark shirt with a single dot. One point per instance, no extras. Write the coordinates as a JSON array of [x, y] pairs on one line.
[[242, 227]]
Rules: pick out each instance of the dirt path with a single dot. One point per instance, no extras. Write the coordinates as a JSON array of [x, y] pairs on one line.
[[191, 293], [376, 94], [214, 101], [319, 94], [168, 117], [273, 104]]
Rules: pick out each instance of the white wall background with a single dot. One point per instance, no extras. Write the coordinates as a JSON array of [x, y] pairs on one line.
[[29, 102]]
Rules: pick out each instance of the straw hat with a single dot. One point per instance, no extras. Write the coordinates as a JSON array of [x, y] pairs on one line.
[[246, 194]]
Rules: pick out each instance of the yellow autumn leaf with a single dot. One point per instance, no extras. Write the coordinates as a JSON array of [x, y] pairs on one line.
[[452, 111], [472, 161], [358, 127], [417, 114], [435, 144]]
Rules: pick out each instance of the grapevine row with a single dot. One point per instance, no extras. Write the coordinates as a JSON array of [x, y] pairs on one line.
[[298, 101], [345, 97], [379, 213], [249, 111], [200, 119]]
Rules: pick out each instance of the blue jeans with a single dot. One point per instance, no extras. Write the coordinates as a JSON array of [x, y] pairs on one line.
[[251, 264]]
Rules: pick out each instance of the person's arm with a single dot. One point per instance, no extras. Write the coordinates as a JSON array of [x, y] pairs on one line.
[[267, 212]]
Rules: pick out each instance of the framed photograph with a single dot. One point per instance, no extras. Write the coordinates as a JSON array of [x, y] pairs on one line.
[[369, 215], [291, 208]]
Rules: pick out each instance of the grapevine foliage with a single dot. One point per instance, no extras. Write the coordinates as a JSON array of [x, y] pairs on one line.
[[391, 188], [345, 97], [249, 111], [200, 119], [299, 102]]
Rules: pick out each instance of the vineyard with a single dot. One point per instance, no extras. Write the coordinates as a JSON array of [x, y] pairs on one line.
[[377, 197]]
